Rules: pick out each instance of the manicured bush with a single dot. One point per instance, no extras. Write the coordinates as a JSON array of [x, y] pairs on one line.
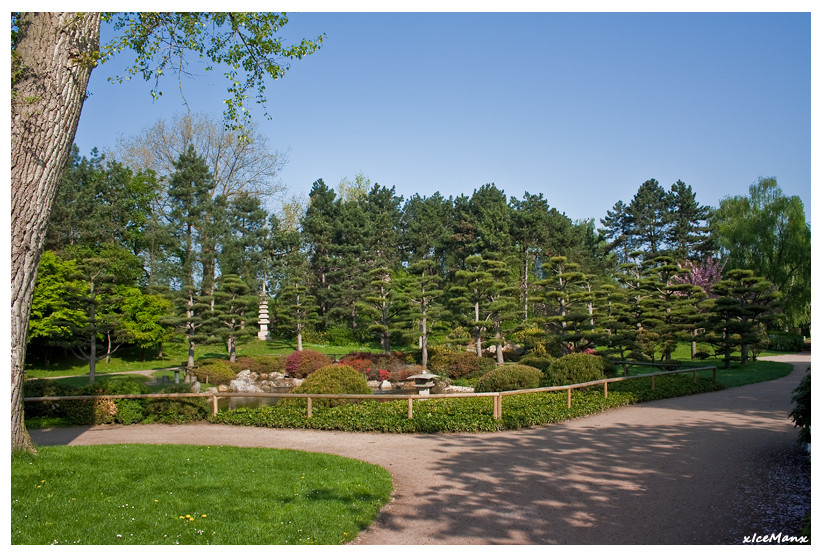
[[216, 371], [540, 362], [300, 364], [334, 379], [510, 377], [261, 364], [468, 365], [801, 414], [785, 341], [575, 368]]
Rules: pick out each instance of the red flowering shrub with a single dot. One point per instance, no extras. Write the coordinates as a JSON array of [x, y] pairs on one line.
[[300, 364]]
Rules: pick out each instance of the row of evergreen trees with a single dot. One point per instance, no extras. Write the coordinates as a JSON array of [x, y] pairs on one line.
[[363, 264]]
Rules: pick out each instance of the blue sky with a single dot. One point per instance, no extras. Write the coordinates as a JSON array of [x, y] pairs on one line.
[[582, 107]]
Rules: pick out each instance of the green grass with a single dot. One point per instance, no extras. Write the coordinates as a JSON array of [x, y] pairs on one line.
[[174, 355], [175, 494]]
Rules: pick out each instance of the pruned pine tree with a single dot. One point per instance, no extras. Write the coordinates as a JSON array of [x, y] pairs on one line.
[[383, 305], [234, 313], [424, 294], [296, 308], [468, 296], [500, 303], [743, 303], [566, 297]]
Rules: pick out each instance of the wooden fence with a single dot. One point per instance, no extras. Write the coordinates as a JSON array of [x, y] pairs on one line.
[[497, 396]]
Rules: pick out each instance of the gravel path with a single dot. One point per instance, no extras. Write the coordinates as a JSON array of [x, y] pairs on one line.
[[705, 469]]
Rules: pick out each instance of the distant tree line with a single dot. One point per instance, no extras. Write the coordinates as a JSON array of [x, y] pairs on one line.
[[177, 251]]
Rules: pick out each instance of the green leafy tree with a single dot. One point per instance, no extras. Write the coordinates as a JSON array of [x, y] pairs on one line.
[[53, 315], [101, 272], [766, 232], [53, 54], [142, 319]]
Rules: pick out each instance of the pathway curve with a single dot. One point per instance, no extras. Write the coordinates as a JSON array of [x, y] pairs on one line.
[[704, 469]]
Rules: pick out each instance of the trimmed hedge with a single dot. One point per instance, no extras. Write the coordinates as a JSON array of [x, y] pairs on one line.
[[216, 371], [334, 379], [510, 377], [540, 362], [462, 415], [574, 369]]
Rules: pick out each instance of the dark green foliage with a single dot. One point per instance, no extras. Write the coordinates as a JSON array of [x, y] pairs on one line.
[[334, 379], [467, 365], [461, 415], [574, 369], [542, 363], [801, 413], [785, 341], [107, 411], [510, 377]]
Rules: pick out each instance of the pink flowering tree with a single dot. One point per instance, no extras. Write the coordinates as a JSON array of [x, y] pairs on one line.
[[704, 274]]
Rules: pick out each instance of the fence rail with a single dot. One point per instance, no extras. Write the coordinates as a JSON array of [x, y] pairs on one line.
[[497, 396]]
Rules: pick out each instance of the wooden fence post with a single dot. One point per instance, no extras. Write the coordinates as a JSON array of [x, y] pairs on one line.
[[310, 407], [409, 407], [216, 409], [652, 378], [569, 398], [606, 390], [694, 376]]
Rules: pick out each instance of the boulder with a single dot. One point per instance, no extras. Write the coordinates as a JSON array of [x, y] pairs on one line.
[[245, 382]]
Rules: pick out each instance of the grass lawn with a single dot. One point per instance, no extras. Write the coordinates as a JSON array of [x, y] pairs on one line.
[[174, 355], [176, 494]]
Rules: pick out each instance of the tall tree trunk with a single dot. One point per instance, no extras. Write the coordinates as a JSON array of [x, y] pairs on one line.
[[53, 50]]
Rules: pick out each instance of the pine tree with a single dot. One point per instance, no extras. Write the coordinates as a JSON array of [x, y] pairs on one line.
[[743, 303], [688, 235], [424, 294], [467, 296], [233, 315], [383, 305]]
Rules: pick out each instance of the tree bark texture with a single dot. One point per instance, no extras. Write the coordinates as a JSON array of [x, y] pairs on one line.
[[56, 51]]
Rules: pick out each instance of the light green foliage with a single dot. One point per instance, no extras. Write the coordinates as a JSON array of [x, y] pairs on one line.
[[766, 232], [247, 46], [52, 313], [334, 379]]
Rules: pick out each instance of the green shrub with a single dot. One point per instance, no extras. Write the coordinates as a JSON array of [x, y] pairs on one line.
[[785, 341], [540, 362], [300, 364], [261, 363], [216, 371], [334, 379], [575, 368], [468, 364], [801, 414], [510, 377]]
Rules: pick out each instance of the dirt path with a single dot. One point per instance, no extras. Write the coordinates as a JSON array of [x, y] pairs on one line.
[[705, 469]]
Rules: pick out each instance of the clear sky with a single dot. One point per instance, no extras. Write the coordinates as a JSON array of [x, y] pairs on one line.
[[582, 107]]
